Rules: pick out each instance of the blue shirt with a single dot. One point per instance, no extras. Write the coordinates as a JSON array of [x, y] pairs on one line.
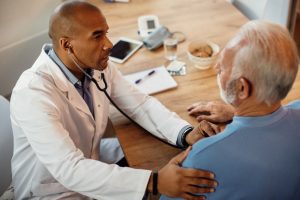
[[254, 157]]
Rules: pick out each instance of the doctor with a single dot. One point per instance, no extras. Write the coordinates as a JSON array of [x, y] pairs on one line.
[[59, 117]]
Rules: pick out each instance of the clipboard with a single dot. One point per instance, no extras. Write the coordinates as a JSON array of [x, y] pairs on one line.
[[160, 81]]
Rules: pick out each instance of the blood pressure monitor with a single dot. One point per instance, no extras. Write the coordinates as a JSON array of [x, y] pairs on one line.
[[147, 24]]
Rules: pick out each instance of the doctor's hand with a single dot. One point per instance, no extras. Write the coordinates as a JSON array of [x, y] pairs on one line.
[[204, 129], [213, 111], [175, 181]]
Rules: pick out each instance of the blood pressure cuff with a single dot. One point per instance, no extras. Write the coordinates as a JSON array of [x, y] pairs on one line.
[[156, 38]]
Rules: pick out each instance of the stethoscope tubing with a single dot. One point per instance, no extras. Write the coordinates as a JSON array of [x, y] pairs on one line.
[[104, 90]]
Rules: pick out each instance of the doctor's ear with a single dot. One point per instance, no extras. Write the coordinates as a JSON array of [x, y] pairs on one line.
[[66, 45], [69, 49]]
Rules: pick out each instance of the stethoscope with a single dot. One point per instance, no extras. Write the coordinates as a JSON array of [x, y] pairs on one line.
[[104, 90]]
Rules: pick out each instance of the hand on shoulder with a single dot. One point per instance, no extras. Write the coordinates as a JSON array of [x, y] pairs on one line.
[[175, 181]]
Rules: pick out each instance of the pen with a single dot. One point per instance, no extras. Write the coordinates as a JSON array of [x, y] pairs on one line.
[[147, 75]]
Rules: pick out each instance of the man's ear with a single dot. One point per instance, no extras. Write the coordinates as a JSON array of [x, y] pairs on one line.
[[243, 88], [64, 43]]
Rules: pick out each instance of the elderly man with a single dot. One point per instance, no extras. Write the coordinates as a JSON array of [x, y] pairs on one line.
[[59, 117], [257, 156]]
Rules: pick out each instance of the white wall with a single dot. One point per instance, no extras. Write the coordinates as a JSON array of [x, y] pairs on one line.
[[273, 10], [24, 28]]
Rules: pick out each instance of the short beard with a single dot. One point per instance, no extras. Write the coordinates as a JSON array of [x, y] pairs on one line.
[[229, 94]]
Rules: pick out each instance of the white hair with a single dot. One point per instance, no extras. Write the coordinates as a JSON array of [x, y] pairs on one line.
[[269, 60]]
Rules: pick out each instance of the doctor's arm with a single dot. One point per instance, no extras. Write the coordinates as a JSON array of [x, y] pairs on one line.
[[146, 110]]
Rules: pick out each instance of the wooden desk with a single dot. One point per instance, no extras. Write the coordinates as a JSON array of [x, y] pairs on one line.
[[215, 20]]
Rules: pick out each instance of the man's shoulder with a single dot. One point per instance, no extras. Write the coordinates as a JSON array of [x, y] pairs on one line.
[[33, 78], [294, 105], [211, 142]]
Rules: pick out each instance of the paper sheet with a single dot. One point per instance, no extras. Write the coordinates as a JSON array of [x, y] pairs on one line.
[[161, 80]]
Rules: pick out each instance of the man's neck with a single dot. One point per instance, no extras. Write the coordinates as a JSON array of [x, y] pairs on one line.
[[252, 109], [76, 73], [65, 58]]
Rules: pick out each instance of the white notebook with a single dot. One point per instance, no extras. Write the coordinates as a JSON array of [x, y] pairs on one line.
[[158, 81]]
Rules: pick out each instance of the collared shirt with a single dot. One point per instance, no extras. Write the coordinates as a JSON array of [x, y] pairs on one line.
[[82, 86]]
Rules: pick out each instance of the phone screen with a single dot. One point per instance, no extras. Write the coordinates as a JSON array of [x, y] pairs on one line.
[[122, 48]]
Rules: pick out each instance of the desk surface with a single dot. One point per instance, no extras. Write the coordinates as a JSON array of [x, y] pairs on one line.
[[214, 20]]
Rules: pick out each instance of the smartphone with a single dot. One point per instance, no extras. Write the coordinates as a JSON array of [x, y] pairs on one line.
[[123, 49]]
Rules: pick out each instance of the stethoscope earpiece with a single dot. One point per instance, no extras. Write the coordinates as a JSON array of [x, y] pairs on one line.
[[69, 50]]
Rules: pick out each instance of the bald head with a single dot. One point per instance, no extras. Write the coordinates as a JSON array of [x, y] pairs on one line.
[[68, 19]]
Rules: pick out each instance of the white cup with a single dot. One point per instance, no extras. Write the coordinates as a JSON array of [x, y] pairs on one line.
[[170, 48]]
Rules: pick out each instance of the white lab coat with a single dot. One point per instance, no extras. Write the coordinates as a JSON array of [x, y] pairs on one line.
[[56, 138]]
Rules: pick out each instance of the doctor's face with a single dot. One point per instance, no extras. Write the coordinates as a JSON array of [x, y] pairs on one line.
[[91, 45]]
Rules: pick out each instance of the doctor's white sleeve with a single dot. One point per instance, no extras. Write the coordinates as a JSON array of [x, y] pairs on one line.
[[147, 111]]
